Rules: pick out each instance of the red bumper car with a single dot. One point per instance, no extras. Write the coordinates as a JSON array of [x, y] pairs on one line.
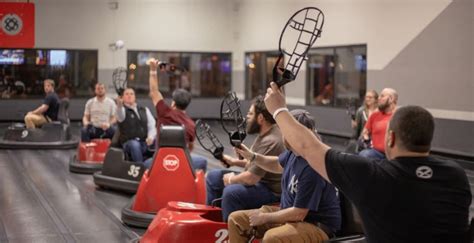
[[188, 222], [89, 157], [170, 178]]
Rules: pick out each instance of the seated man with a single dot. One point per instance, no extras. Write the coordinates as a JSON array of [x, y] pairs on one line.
[[99, 116], [377, 124], [174, 115], [309, 210], [48, 111], [136, 126], [255, 186]]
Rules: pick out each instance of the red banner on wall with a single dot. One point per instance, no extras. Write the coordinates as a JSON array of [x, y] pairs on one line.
[[17, 22]]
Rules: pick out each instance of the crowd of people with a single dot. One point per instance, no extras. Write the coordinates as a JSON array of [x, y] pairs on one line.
[[287, 188], [12, 87]]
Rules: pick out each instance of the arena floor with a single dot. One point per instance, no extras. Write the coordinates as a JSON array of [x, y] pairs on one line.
[[41, 201]]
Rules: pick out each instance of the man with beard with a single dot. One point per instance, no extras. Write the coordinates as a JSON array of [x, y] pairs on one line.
[[99, 116], [255, 186], [377, 124]]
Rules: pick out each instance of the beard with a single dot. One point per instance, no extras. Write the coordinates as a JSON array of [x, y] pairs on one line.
[[383, 106], [253, 127]]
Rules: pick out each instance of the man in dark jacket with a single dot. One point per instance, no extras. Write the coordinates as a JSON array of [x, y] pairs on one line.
[[136, 125]]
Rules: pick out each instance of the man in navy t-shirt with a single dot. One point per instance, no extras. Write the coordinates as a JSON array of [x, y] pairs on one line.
[[409, 197], [48, 111], [309, 207]]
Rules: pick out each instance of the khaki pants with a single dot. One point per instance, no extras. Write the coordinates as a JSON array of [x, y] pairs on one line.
[[33, 120], [295, 232]]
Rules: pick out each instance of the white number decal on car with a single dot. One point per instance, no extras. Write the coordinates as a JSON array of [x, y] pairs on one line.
[[134, 171]]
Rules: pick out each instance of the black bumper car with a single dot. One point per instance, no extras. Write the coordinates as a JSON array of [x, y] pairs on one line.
[[118, 173], [53, 135], [89, 157]]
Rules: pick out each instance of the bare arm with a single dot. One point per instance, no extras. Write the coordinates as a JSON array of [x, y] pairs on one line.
[[246, 178], [366, 130], [353, 124], [87, 114], [86, 120], [302, 140], [112, 120], [268, 163], [234, 162], [279, 217], [41, 109], [365, 134], [155, 93], [113, 114]]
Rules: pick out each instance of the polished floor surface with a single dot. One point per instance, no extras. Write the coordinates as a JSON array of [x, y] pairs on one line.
[[41, 201]]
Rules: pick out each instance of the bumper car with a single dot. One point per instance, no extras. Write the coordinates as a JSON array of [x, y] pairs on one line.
[[170, 178], [89, 156], [189, 222], [53, 135], [118, 173]]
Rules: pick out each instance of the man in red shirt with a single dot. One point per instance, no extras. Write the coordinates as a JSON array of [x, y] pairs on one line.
[[376, 126], [174, 114]]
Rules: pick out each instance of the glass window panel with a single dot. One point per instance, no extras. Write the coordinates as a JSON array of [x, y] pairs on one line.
[[203, 74], [22, 72], [337, 76], [258, 72]]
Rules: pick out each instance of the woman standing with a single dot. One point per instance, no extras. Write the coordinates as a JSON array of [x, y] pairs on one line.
[[364, 112]]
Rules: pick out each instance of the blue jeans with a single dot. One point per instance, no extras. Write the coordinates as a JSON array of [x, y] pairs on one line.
[[372, 154], [91, 132], [135, 149], [198, 162], [236, 196]]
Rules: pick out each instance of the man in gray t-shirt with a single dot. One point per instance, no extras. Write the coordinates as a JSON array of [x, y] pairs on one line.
[[99, 116]]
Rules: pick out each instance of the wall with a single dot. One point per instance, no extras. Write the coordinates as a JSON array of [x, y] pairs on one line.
[[183, 25], [422, 48], [435, 69]]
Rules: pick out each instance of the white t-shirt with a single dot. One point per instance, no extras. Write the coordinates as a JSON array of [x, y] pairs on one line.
[[100, 111]]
